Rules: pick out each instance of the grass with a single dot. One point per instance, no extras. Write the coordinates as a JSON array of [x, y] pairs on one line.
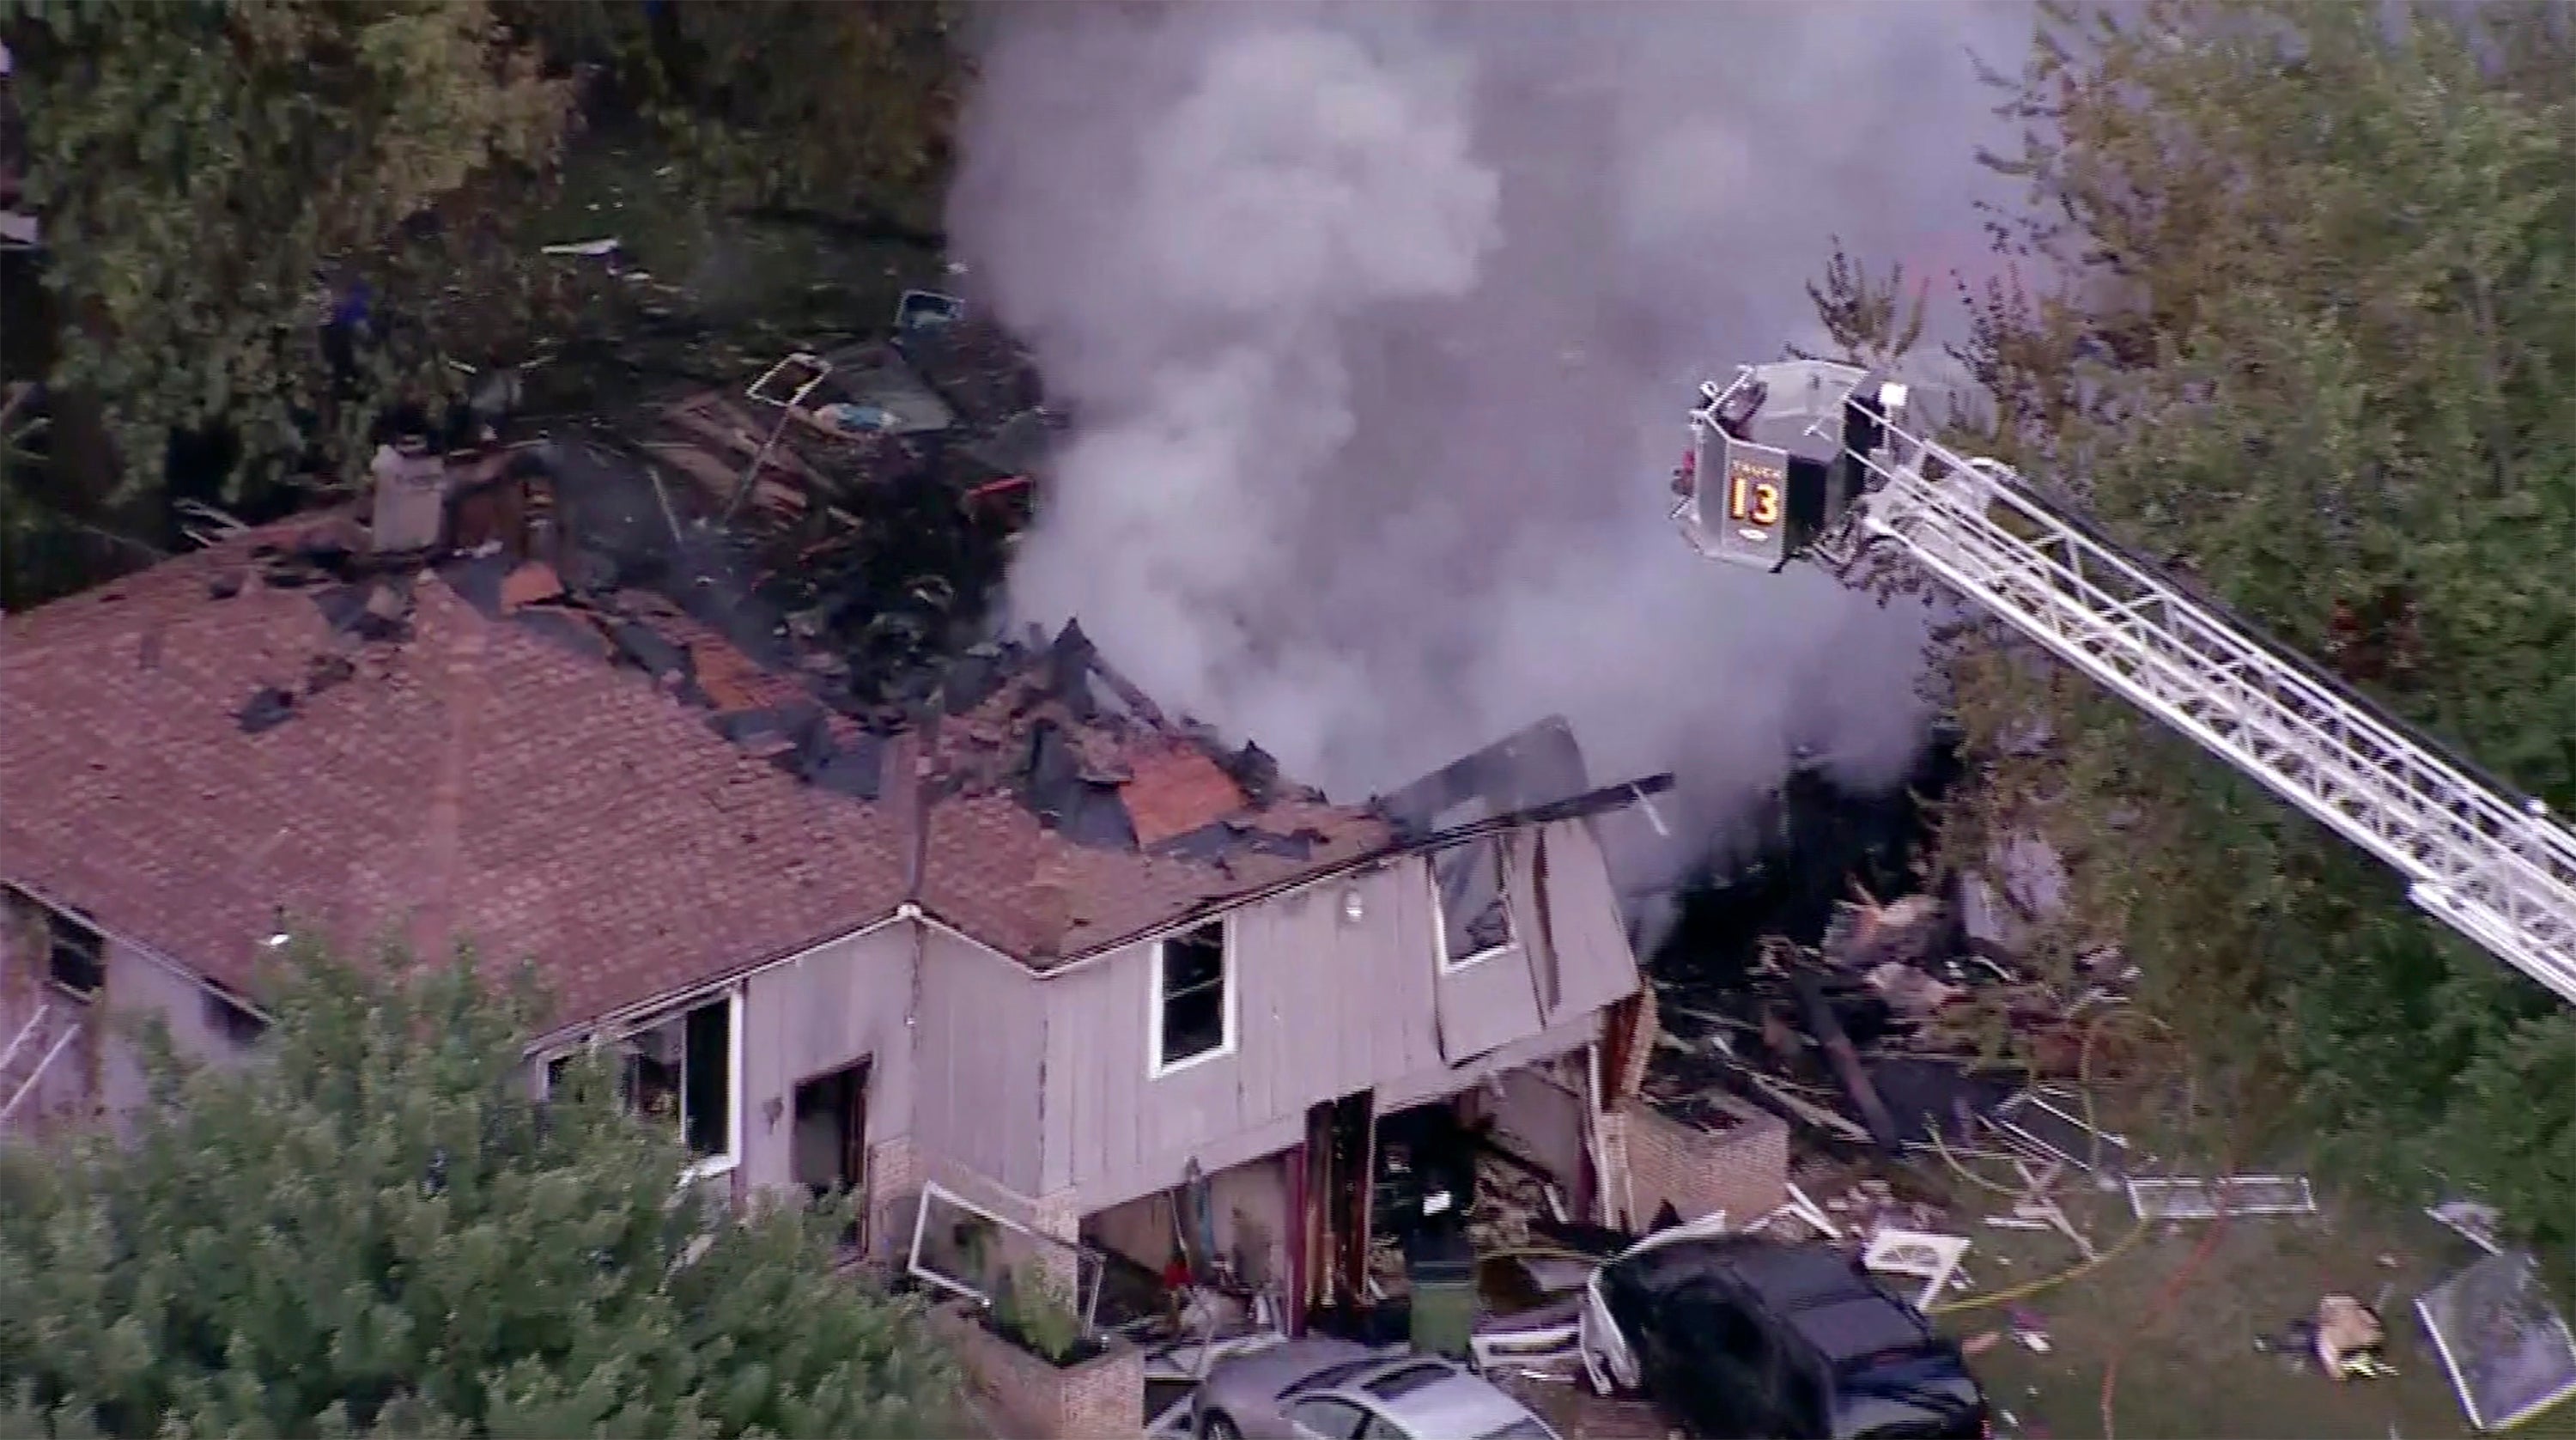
[[2185, 1344], [2186, 1357]]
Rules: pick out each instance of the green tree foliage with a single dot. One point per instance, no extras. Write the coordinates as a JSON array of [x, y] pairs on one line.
[[843, 108], [211, 175], [2298, 320], [817, 103], [371, 1229]]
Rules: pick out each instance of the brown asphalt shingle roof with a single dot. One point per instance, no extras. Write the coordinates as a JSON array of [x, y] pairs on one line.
[[473, 778], [478, 778]]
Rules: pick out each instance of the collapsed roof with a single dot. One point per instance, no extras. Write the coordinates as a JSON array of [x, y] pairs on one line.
[[594, 724]]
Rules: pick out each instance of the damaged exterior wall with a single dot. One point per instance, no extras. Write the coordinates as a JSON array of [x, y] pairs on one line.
[[1325, 1007], [1741, 1170], [1247, 1210], [1569, 954], [952, 1036], [1322, 1008]]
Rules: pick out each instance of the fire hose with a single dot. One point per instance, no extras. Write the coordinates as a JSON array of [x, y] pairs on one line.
[[2173, 1287], [2084, 1085]]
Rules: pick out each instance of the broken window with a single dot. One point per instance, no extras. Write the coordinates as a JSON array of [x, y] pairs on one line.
[[1475, 911], [1191, 1010], [681, 1071], [79, 958]]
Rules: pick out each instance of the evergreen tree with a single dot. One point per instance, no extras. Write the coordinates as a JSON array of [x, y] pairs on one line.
[[216, 182], [2298, 321], [371, 1229]]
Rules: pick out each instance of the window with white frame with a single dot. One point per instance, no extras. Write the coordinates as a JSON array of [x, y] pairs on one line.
[[686, 1070], [1473, 902], [1193, 1015]]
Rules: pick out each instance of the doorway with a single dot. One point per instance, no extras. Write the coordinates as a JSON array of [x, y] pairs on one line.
[[829, 1148], [1334, 1226]]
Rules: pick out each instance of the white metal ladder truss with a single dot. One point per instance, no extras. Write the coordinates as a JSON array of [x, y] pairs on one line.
[[2493, 865]]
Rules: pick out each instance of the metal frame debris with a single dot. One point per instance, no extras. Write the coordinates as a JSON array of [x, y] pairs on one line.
[[1087, 1265], [813, 370], [2035, 1120], [2471, 1221], [2190, 1198], [2507, 1350]]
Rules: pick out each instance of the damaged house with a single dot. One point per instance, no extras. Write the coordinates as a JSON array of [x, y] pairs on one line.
[[1020, 937]]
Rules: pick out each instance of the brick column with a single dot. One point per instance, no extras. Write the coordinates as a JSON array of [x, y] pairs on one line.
[[1102, 1398], [894, 1188], [1742, 1168], [1058, 1218]]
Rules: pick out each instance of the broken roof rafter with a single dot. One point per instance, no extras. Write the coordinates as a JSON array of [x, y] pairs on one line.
[[1608, 799]]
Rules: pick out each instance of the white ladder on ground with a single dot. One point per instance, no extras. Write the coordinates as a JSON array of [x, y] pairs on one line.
[[2491, 863]]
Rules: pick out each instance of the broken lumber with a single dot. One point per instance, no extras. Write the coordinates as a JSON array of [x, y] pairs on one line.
[[1847, 1066], [1813, 1114]]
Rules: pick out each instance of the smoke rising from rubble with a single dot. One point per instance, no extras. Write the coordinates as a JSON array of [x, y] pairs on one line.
[[1378, 325]]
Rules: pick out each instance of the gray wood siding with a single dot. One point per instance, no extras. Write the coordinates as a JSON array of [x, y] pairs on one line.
[[139, 988], [1488, 1003], [1594, 966], [1568, 957], [1402, 1092], [1324, 1007], [982, 1039], [830, 1007]]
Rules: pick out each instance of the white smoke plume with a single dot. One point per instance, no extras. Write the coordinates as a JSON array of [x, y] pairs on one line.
[[1379, 323]]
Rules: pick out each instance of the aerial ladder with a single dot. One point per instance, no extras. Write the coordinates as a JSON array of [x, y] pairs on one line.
[[1813, 460]]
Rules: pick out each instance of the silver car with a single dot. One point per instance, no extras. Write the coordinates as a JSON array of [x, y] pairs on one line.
[[1322, 1389]]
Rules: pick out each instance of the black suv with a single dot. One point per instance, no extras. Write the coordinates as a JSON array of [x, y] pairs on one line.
[[1741, 1336]]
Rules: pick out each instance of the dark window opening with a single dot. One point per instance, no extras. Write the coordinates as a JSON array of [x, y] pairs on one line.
[[705, 1080], [828, 1150], [1475, 912], [238, 1026], [1193, 998], [650, 1083], [79, 957], [681, 1072]]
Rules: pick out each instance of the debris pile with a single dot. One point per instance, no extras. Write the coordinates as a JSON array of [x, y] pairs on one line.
[[1509, 1197], [869, 494], [1891, 1034], [1052, 725], [1046, 721]]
